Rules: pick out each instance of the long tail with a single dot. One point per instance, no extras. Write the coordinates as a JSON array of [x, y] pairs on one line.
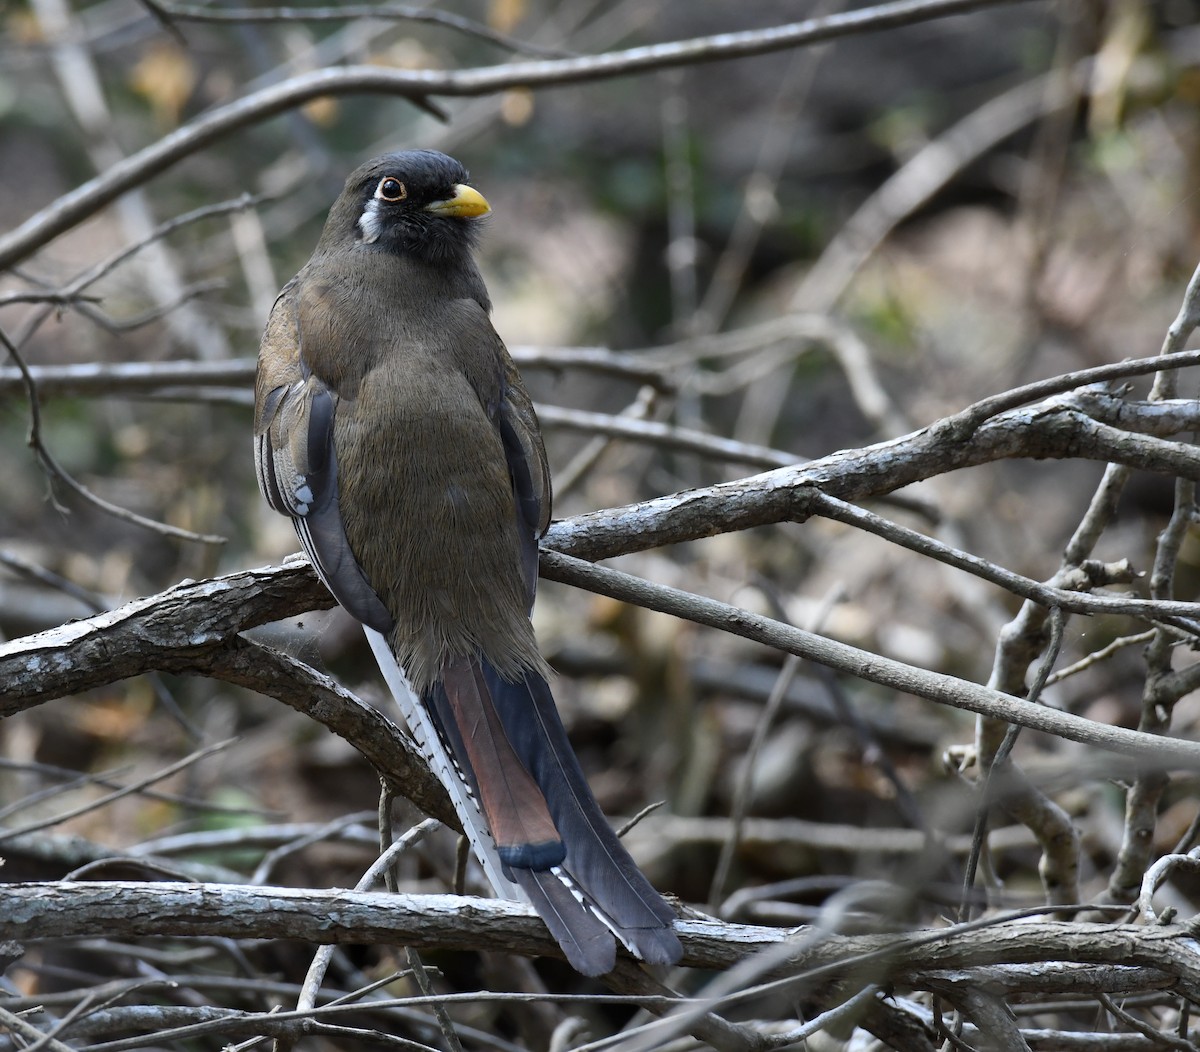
[[429, 741], [532, 820]]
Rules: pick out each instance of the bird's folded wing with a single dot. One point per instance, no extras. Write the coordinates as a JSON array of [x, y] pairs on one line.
[[527, 467], [296, 463]]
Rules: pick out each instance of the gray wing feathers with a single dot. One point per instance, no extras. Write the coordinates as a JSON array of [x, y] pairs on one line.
[[528, 469], [297, 473]]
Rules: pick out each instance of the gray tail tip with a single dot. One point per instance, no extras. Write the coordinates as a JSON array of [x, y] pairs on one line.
[[597, 955], [657, 946]]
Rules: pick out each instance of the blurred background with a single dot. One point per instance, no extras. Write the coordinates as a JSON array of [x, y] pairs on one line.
[[813, 250]]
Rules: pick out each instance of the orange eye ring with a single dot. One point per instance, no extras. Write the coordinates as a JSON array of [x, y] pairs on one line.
[[391, 189]]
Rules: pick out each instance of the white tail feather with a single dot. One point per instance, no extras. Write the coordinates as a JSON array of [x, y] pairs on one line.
[[442, 764]]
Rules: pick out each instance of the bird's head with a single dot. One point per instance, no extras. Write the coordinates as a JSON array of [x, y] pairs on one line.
[[416, 203]]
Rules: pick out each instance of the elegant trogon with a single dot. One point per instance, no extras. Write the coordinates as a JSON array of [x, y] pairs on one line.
[[392, 426]]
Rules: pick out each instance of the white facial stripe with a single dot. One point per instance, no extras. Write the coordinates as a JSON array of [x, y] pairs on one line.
[[369, 222]]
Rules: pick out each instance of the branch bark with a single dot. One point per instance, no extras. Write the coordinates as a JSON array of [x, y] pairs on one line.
[[130, 909], [194, 628], [184, 629], [1057, 428], [181, 629]]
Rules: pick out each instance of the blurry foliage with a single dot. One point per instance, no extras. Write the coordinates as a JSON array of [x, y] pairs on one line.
[[985, 288]]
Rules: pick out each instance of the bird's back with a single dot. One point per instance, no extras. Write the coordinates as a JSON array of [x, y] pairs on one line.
[[431, 466]]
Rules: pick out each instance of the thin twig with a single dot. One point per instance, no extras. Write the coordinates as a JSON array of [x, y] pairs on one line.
[[72, 291], [173, 12], [1050, 596], [315, 975], [132, 379], [1159, 752], [325, 831], [56, 470], [1097, 656], [745, 782], [1159, 1037], [918, 180], [30, 1034], [416, 85], [587, 458], [104, 801]]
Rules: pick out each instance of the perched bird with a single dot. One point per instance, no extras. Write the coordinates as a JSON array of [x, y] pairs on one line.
[[392, 426]]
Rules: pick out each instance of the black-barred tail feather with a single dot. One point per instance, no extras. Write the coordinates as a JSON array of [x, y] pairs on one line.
[[429, 740]]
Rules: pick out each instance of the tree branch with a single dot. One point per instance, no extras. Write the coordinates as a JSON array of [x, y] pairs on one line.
[[947, 690], [194, 628], [181, 629], [416, 85], [101, 909], [1055, 429]]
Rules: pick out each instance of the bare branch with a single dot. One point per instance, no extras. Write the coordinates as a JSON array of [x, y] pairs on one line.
[[779, 495], [1157, 751], [193, 628], [108, 798], [132, 379], [1063, 592], [1055, 429], [916, 182], [56, 471], [418, 85], [72, 291], [172, 12], [100, 908]]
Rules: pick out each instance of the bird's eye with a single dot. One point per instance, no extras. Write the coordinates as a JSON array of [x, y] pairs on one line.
[[391, 189]]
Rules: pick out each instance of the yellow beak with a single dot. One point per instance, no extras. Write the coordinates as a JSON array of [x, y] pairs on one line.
[[466, 202]]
